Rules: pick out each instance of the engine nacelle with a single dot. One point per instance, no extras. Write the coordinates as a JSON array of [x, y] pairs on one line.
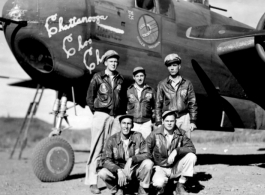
[[259, 41]]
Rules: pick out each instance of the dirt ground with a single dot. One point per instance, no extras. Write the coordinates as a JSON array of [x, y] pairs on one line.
[[220, 169]]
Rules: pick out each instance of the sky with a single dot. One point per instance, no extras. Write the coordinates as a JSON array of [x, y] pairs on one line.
[[245, 11], [14, 101]]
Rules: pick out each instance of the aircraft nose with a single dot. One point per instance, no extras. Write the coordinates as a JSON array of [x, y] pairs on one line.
[[20, 31], [20, 10]]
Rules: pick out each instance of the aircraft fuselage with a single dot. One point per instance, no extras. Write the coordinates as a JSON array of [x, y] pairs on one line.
[[64, 41]]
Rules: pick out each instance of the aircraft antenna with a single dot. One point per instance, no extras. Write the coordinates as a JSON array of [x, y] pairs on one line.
[[213, 7], [73, 94]]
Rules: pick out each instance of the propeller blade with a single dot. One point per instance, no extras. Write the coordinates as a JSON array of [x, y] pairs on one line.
[[4, 77], [25, 83], [8, 77], [221, 32]]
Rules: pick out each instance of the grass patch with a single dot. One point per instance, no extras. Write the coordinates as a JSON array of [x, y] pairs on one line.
[[10, 128], [238, 136], [80, 139]]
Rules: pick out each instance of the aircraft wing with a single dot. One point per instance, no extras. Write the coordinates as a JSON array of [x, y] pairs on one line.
[[221, 32], [242, 52], [242, 59]]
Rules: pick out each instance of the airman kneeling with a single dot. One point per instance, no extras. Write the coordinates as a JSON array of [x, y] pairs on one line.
[[125, 158]]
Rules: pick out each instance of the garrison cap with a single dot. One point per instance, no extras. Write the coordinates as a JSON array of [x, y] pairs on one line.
[[168, 112], [125, 116], [110, 54], [138, 69], [171, 58]]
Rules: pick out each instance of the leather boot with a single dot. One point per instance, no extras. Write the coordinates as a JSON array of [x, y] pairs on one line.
[[160, 191], [142, 191], [119, 192], [94, 189], [180, 189]]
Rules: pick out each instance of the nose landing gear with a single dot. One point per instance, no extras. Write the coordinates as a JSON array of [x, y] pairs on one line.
[[53, 158]]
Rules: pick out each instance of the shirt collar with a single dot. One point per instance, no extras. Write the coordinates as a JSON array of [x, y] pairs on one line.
[[119, 139], [169, 80], [162, 130], [137, 87], [176, 81], [104, 74], [166, 132]]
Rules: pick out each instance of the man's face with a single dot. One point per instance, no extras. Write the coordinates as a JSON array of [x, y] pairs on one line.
[[126, 126], [169, 122], [139, 78], [111, 64], [174, 69]]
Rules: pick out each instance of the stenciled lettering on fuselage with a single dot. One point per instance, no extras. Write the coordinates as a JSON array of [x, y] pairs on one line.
[[130, 15], [148, 32], [102, 32], [106, 31], [82, 44]]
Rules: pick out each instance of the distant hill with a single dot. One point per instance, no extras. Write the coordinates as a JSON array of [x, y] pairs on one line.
[[10, 127]]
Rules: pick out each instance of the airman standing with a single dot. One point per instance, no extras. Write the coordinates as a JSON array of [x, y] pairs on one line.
[[176, 93], [103, 99], [141, 102]]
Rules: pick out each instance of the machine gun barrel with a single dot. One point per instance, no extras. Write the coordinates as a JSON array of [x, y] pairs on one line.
[[213, 7]]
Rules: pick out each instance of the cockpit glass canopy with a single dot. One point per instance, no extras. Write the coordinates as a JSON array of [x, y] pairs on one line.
[[204, 2], [163, 7]]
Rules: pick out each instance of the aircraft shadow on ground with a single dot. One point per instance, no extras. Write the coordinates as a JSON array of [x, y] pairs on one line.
[[248, 159]]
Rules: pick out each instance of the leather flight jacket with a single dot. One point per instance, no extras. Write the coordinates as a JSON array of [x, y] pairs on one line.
[[101, 96], [113, 157], [182, 100], [141, 109], [157, 146]]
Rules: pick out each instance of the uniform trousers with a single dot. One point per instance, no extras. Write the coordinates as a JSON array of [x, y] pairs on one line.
[[184, 167], [142, 173], [144, 128], [183, 123], [103, 126]]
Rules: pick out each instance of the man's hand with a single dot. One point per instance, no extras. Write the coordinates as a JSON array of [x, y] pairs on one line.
[[192, 127], [172, 156], [121, 178], [157, 125], [127, 168]]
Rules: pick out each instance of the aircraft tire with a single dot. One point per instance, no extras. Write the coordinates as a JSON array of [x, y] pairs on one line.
[[53, 159]]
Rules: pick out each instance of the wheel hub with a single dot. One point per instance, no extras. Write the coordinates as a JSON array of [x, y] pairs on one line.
[[57, 160]]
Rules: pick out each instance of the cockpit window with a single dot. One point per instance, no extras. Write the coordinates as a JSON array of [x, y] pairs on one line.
[[163, 7], [166, 8], [146, 4], [204, 2]]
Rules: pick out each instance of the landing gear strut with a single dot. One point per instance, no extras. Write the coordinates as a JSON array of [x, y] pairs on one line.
[[53, 158]]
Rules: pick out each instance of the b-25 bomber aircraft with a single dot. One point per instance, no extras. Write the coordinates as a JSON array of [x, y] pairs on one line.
[[60, 44]]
